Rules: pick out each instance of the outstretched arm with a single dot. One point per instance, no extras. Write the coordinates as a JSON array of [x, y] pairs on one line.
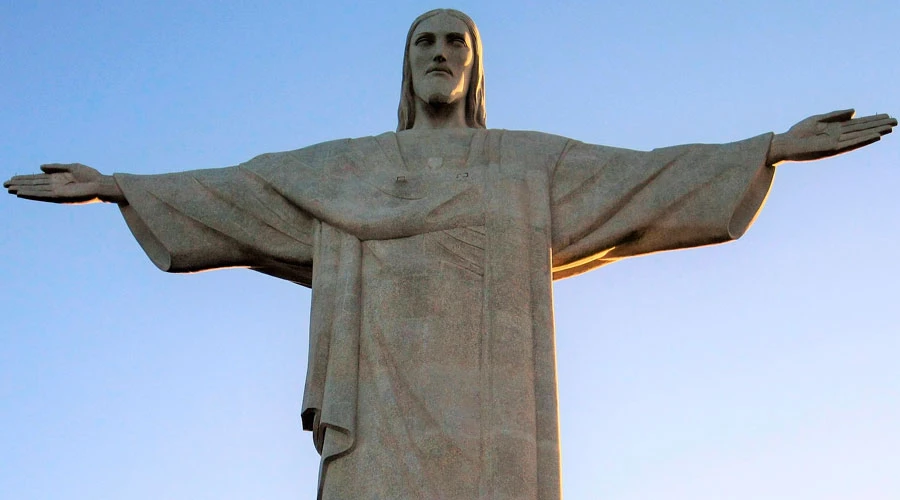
[[831, 134], [71, 183]]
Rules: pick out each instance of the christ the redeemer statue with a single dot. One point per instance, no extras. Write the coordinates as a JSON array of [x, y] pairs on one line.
[[430, 253]]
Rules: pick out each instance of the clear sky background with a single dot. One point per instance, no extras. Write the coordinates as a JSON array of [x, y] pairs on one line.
[[766, 368]]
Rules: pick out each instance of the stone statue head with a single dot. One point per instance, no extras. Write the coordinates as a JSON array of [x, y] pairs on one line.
[[475, 109]]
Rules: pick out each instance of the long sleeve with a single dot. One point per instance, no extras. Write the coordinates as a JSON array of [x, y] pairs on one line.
[[210, 219], [609, 203]]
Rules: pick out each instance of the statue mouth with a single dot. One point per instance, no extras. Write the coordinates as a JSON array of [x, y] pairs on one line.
[[439, 69]]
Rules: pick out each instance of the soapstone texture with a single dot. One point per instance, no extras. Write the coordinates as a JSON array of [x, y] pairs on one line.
[[430, 252], [432, 365]]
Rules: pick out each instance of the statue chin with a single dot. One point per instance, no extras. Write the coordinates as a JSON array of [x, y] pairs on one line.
[[438, 93], [438, 99]]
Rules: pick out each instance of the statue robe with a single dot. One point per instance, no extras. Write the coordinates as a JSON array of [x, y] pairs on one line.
[[432, 370]]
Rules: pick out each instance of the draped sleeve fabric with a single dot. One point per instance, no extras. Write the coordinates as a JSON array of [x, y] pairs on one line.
[[216, 218], [545, 206], [610, 203]]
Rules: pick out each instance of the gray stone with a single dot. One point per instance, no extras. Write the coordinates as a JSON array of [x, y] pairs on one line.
[[430, 252]]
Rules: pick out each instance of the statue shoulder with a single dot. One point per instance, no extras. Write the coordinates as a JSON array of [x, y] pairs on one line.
[[535, 141], [533, 150], [309, 156]]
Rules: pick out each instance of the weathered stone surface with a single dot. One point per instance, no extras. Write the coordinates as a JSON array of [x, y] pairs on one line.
[[430, 252], [432, 368]]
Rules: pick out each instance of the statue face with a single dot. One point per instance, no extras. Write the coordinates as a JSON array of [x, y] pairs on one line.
[[441, 58]]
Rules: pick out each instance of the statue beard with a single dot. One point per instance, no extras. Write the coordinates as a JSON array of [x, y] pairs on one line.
[[438, 100], [440, 103]]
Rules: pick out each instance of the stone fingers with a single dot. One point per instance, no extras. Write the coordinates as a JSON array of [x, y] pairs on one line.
[[34, 192], [26, 178], [869, 122], [857, 142], [38, 186], [874, 130], [18, 181]]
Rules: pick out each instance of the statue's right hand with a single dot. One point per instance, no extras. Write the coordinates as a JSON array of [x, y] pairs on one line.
[[71, 183]]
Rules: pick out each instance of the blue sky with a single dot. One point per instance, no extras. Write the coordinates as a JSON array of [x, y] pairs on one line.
[[765, 368]]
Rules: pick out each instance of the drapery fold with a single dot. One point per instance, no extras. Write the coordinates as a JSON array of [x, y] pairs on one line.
[[550, 208]]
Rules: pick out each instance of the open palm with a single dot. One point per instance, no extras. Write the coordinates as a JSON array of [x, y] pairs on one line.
[[60, 183], [829, 134]]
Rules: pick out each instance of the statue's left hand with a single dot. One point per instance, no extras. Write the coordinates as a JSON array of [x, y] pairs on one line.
[[831, 134], [71, 183]]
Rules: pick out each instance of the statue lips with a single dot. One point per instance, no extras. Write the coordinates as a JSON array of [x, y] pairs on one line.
[[440, 70]]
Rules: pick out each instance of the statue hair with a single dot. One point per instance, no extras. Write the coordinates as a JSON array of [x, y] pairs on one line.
[[475, 110]]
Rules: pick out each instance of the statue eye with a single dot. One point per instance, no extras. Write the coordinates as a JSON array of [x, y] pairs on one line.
[[424, 40]]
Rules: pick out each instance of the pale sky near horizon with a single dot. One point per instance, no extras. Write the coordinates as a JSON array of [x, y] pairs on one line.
[[765, 368]]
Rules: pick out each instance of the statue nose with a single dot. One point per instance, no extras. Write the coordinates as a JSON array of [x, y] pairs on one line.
[[440, 58]]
